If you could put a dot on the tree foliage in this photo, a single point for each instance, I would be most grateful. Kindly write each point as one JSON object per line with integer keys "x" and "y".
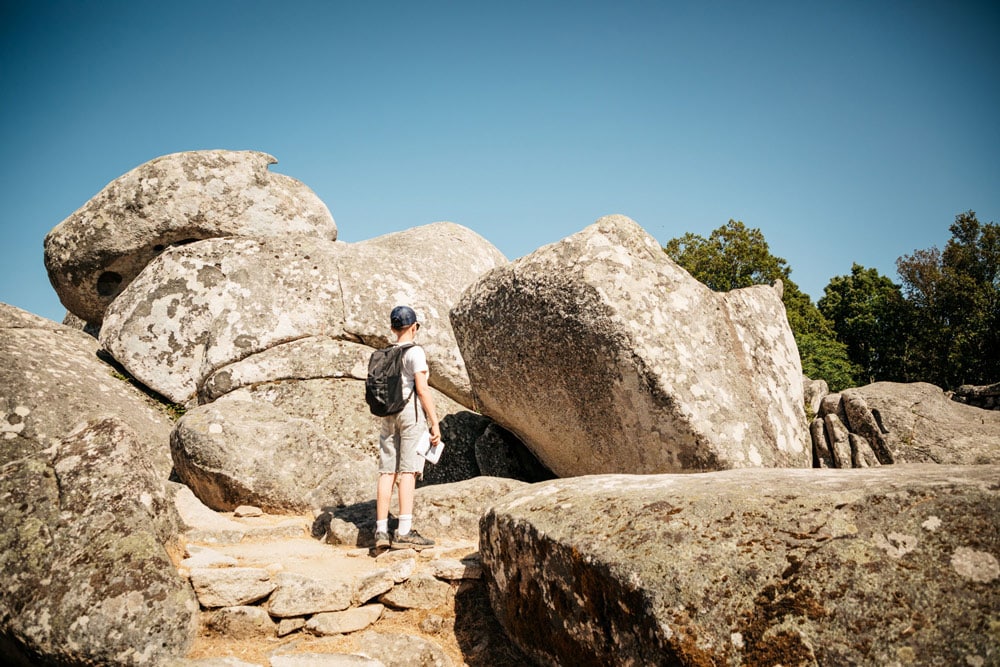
{"x": 954, "y": 297}
{"x": 870, "y": 316}
{"x": 735, "y": 256}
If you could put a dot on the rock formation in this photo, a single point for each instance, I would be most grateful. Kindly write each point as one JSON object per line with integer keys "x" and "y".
{"x": 981, "y": 396}
{"x": 221, "y": 286}
{"x": 892, "y": 565}
{"x": 52, "y": 379}
{"x": 94, "y": 254}
{"x": 84, "y": 538}
{"x": 890, "y": 422}
{"x": 200, "y": 308}
{"x": 602, "y": 355}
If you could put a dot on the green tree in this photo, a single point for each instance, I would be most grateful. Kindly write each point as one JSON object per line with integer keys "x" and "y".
{"x": 869, "y": 315}
{"x": 955, "y": 299}
{"x": 735, "y": 256}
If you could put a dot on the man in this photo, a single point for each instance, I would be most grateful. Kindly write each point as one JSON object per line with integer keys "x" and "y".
{"x": 399, "y": 462}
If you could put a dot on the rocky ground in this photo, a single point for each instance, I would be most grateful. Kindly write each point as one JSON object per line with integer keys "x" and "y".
{"x": 463, "y": 627}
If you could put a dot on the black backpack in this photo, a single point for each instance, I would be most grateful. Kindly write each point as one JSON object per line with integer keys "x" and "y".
{"x": 384, "y": 385}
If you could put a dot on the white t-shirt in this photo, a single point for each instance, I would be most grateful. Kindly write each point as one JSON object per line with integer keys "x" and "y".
{"x": 414, "y": 361}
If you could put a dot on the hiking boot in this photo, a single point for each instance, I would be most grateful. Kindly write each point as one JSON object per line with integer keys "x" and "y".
{"x": 382, "y": 540}
{"x": 412, "y": 540}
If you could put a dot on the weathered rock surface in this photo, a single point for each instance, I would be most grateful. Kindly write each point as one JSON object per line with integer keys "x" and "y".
{"x": 230, "y": 586}
{"x": 392, "y": 648}
{"x": 343, "y": 622}
{"x": 449, "y": 509}
{"x": 95, "y": 253}
{"x": 303, "y": 359}
{"x": 84, "y": 534}
{"x": 813, "y": 392}
{"x": 892, "y": 422}
{"x": 52, "y": 379}
{"x": 981, "y": 396}
{"x": 602, "y": 355}
{"x": 244, "y": 622}
{"x": 236, "y": 452}
{"x": 890, "y": 565}
{"x": 200, "y": 308}
{"x": 421, "y": 591}
{"x": 296, "y": 445}
{"x": 441, "y": 260}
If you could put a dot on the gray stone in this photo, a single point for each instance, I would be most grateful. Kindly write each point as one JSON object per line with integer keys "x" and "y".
{"x": 324, "y": 660}
{"x": 12, "y": 317}
{"x": 813, "y": 392}
{"x": 832, "y": 404}
{"x": 421, "y": 591}
{"x": 235, "y": 452}
{"x": 373, "y": 584}
{"x": 838, "y": 437}
{"x": 51, "y": 380}
{"x": 401, "y": 650}
{"x": 862, "y": 422}
{"x": 231, "y": 586}
{"x": 450, "y": 509}
{"x": 986, "y": 397}
{"x": 245, "y": 622}
{"x": 344, "y": 622}
{"x": 199, "y": 308}
{"x": 302, "y": 359}
{"x": 298, "y": 595}
{"x": 209, "y": 662}
{"x": 202, "y": 524}
{"x": 199, "y": 556}
{"x": 442, "y": 260}
{"x": 335, "y": 407}
{"x": 455, "y": 509}
{"x": 92, "y": 255}
{"x": 822, "y": 456}
{"x": 602, "y": 355}
{"x": 889, "y": 565}
{"x": 920, "y": 425}
{"x": 287, "y": 626}
{"x": 244, "y": 511}
{"x": 84, "y": 537}
{"x": 862, "y": 455}
{"x": 451, "y": 569}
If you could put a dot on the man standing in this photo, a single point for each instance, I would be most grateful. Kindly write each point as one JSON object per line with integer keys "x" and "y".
{"x": 399, "y": 462}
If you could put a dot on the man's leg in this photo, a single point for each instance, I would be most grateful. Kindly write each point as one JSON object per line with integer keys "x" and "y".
{"x": 383, "y": 496}
{"x": 407, "y": 489}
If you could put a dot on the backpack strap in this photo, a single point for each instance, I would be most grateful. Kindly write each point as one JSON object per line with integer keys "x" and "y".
{"x": 413, "y": 394}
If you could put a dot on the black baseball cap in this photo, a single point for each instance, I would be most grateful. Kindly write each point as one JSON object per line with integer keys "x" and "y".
{"x": 402, "y": 317}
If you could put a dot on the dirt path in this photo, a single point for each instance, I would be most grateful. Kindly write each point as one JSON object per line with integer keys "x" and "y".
{"x": 464, "y": 628}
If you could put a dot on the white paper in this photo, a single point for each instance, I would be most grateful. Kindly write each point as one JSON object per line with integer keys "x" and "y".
{"x": 424, "y": 444}
{"x": 434, "y": 453}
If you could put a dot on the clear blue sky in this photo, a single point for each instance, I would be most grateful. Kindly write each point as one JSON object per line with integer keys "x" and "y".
{"x": 845, "y": 131}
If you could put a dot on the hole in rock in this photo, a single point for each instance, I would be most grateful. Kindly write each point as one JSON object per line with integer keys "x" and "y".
{"x": 108, "y": 283}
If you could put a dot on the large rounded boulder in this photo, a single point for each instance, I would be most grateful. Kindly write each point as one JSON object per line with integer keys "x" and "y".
{"x": 85, "y": 536}
{"x": 94, "y": 254}
{"x": 602, "y": 355}
{"x": 52, "y": 378}
{"x": 893, "y": 565}
{"x": 197, "y": 309}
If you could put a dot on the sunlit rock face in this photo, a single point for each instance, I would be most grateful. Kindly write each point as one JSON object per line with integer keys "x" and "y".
{"x": 94, "y": 254}
{"x": 603, "y": 355}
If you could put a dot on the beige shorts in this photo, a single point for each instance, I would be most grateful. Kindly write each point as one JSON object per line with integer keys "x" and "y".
{"x": 397, "y": 441}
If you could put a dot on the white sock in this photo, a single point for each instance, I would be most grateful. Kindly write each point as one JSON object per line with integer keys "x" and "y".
{"x": 405, "y": 523}
{"x": 381, "y": 525}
